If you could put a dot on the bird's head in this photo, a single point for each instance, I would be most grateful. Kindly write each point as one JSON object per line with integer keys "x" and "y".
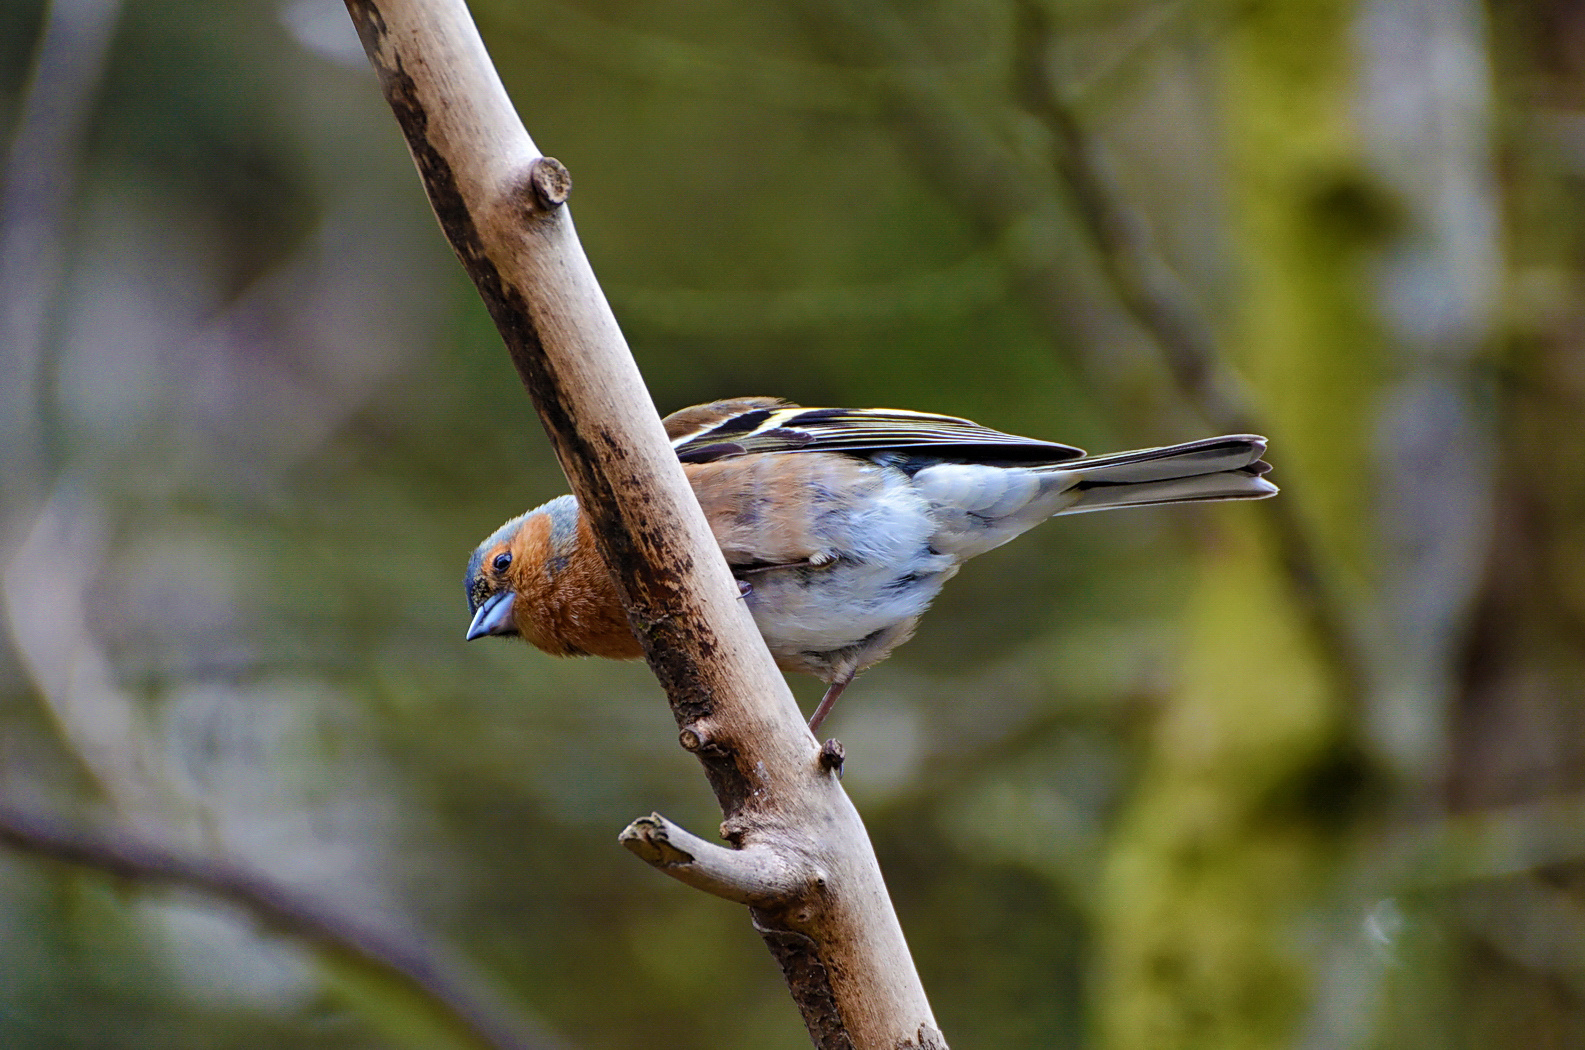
{"x": 539, "y": 577}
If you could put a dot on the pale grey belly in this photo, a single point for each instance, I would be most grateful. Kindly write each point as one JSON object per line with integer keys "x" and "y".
{"x": 846, "y": 615}
{"x": 840, "y": 617}
{"x": 836, "y": 607}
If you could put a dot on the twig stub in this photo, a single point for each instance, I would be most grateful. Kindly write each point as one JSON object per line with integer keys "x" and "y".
{"x": 757, "y": 875}
{"x": 550, "y": 181}
{"x": 832, "y": 755}
{"x": 646, "y": 838}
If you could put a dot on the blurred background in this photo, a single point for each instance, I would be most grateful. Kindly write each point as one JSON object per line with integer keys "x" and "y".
{"x": 1308, "y": 773}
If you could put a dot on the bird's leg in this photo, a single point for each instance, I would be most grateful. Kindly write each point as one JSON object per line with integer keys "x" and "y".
{"x": 828, "y": 701}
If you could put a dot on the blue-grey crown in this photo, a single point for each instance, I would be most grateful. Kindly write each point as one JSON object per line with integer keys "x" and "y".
{"x": 563, "y": 511}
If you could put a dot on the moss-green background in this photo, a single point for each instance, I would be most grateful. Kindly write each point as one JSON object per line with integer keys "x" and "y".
{"x": 256, "y": 420}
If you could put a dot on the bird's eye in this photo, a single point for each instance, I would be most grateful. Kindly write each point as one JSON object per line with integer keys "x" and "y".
{"x": 502, "y": 560}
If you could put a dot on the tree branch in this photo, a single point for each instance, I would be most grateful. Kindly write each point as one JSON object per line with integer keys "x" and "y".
{"x": 409, "y": 963}
{"x": 754, "y": 876}
{"x": 848, "y": 968}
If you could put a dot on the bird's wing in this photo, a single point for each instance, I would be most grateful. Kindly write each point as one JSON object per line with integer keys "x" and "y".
{"x": 747, "y": 425}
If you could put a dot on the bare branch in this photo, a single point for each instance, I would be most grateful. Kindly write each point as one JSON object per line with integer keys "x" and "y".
{"x": 839, "y": 942}
{"x": 755, "y": 875}
{"x": 290, "y": 911}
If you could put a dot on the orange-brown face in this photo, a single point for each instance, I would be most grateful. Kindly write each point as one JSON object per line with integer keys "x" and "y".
{"x": 490, "y": 592}
{"x": 539, "y": 576}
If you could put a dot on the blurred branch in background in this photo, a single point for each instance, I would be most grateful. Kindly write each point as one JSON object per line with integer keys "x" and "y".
{"x": 36, "y": 189}
{"x": 1120, "y": 234}
{"x": 44, "y": 595}
{"x": 960, "y": 150}
{"x": 62, "y": 545}
{"x": 1483, "y": 869}
{"x": 1158, "y": 300}
{"x": 1524, "y": 839}
{"x": 664, "y": 62}
{"x": 471, "y": 1017}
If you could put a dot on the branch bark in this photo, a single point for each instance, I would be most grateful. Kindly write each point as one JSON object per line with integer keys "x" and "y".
{"x": 826, "y": 915}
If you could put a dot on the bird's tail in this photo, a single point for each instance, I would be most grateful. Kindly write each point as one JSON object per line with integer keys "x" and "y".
{"x": 1218, "y": 468}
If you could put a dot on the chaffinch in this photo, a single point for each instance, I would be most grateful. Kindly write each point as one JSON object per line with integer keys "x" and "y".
{"x": 841, "y": 525}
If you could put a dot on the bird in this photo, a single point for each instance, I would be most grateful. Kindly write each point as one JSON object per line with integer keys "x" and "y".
{"x": 841, "y": 525}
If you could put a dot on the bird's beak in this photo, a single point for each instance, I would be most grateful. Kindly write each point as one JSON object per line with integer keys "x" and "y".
{"x": 493, "y": 617}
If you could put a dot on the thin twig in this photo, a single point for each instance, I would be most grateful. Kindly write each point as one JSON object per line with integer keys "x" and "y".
{"x": 280, "y": 907}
